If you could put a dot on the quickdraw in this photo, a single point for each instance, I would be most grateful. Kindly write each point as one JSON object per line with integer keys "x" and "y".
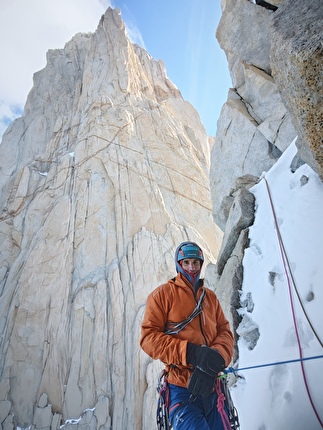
{"x": 162, "y": 416}
{"x": 231, "y": 409}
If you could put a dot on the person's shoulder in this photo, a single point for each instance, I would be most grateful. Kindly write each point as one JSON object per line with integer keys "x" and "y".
{"x": 210, "y": 293}
{"x": 163, "y": 288}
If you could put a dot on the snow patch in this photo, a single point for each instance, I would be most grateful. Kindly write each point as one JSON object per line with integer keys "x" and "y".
{"x": 276, "y": 397}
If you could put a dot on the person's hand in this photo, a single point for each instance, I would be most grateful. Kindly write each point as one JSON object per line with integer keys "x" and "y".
{"x": 200, "y": 383}
{"x": 207, "y": 359}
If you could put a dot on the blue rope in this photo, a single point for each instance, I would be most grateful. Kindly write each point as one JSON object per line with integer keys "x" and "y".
{"x": 232, "y": 370}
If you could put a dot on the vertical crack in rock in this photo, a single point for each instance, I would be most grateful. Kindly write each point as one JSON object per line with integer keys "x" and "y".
{"x": 103, "y": 176}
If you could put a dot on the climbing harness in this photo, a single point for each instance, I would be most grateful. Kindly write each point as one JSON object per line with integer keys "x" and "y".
{"x": 176, "y": 327}
{"x": 224, "y": 401}
{"x": 163, "y": 410}
{"x": 225, "y": 406}
{"x": 289, "y": 277}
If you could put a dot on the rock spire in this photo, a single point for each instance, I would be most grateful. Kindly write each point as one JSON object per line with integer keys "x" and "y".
{"x": 103, "y": 175}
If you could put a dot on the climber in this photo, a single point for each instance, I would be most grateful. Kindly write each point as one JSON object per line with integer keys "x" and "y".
{"x": 184, "y": 326}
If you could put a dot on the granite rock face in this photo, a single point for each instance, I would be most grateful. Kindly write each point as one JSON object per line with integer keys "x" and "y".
{"x": 101, "y": 178}
{"x": 276, "y": 67}
{"x": 242, "y": 30}
{"x": 254, "y": 127}
{"x": 297, "y": 36}
{"x": 275, "y": 61}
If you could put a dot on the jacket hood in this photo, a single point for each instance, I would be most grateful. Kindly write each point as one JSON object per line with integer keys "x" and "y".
{"x": 193, "y": 279}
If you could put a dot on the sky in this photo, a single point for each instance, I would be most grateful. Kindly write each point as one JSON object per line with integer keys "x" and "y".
{"x": 181, "y": 33}
{"x": 275, "y": 397}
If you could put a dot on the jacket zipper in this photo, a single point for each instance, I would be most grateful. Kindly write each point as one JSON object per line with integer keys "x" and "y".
{"x": 200, "y": 319}
{"x": 201, "y": 327}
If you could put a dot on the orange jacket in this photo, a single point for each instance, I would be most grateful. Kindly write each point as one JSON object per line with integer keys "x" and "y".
{"x": 175, "y": 301}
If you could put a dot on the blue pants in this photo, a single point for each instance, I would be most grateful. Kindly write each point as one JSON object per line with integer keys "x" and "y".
{"x": 201, "y": 414}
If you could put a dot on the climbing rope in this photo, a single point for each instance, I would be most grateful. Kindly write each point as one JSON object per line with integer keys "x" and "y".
{"x": 176, "y": 327}
{"x": 220, "y": 406}
{"x": 283, "y": 250}
{"x": 288, "y": 277}
{"x": 275, "y": 363}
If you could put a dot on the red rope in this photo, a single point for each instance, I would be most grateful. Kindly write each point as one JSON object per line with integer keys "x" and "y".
{"x": 283, "y": 250}
{"x": 284, "y": 258}
{"x": 220, "y": 406}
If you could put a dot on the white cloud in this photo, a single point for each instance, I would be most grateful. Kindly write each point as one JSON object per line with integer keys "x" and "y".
{"x": 134, "y": 34}
{"x": 27, "y": 30}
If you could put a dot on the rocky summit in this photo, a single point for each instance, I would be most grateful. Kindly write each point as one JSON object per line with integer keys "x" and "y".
{"x": 101, "y": 178}
{"x": 108, "y": 169}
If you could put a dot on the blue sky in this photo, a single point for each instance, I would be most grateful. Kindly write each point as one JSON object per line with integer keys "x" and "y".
{"x": 181, "y": 33}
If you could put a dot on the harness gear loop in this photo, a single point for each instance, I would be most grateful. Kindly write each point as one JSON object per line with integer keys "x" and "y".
{"x": 162, "y": 415}
{"x": 225, "y": 406}
{"x": 231, "y": 409}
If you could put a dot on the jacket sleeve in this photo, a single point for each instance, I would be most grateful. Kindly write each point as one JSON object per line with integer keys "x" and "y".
{"x": 154, "y": 341}
{"x": 224, "y": 341}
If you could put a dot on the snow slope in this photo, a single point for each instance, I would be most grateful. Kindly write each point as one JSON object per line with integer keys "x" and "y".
{"x": 275, "y": 397}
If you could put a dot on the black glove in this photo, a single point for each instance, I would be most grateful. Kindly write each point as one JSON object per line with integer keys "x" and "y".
{"x": 200, "y": 383}
{"x": 207, "y": 359}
